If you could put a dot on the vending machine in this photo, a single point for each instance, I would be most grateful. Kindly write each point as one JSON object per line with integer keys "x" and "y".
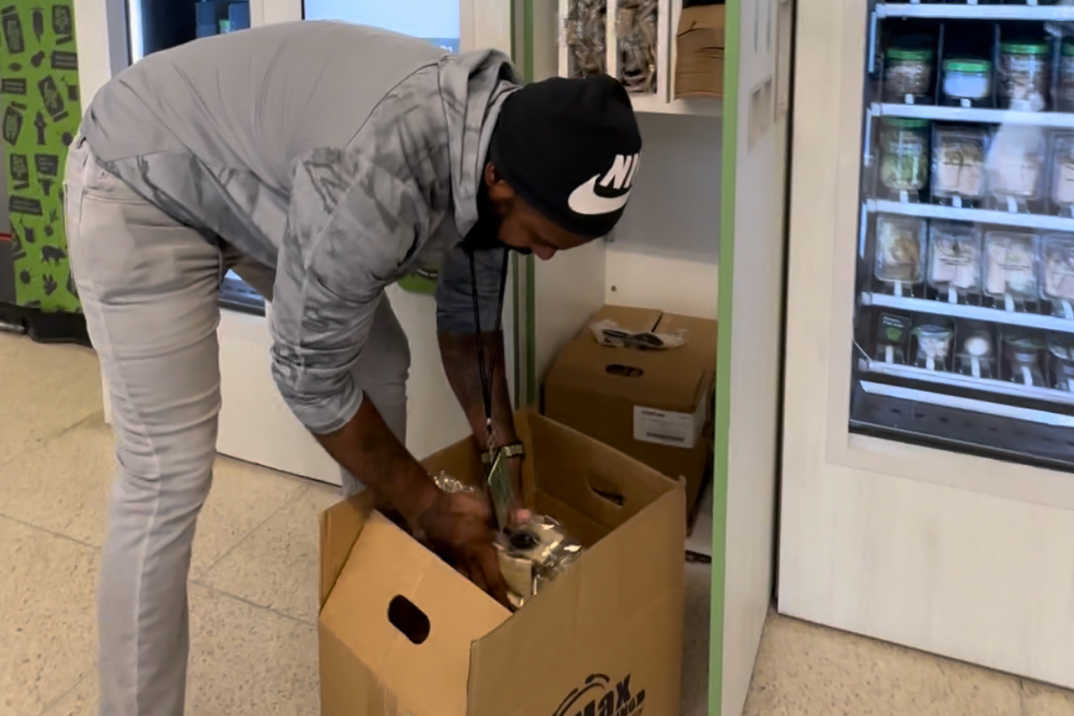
{"x": 929, "y": 413}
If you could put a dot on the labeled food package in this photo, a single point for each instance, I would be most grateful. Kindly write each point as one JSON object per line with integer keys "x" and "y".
{"x": 1057, "y": 273}
{"x": 900, "y": 251}
{"x": 904, "y": 156}
{"x": 967, "y": 81}
{"x": 892, "y": 334}
{"x": 933, "y": 345}
{"x": 1062, "y": 193}
{"x": 1061, "y": 358}
{"x": 954, "y": 260}
{"x": 958, "y": 164}
{"x": 1010, "y": 266}
{"x": 533, "y": 554}
{"x": 1023, "y": 353}
{"x": 975, "y": 350}
{"x": 1015, "y": 166}
{"x": 1065, "y": 85}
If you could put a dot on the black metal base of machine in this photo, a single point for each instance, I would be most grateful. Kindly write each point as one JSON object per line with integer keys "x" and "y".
{"x": 44, "y": 327}
{"x": 967, "y": 431}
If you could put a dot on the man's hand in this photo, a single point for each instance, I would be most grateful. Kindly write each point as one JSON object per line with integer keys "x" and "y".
{"x": 459, "y": 528}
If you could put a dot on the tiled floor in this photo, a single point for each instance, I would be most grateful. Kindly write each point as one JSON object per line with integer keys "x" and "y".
{"x": 253, "y": 606}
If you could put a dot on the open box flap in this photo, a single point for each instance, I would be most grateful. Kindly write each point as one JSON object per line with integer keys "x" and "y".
{"x": 409, "y": 618}
{"x": 611, "y": 614}
{"x": 340, "y": 526}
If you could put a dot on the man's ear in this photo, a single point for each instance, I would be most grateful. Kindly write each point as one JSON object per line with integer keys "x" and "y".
{"x": 498, "y": 188}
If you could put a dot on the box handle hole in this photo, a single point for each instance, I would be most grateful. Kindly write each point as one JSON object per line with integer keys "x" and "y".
{"x": 627, "y": 371}
{"x": 405, "y": 616}
{"x": 607, "y": 491}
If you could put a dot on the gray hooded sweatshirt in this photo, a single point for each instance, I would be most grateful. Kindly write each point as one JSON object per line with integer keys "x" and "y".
{"x": 343, "y": 156}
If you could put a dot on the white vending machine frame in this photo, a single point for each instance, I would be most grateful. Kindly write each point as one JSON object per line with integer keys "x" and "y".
{"x": 952, "y": 553}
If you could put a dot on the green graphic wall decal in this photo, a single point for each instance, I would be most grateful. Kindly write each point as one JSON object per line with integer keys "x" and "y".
{"x": 39, "y": 114}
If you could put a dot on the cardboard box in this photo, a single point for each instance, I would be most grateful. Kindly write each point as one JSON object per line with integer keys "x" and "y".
{"x": 652, "y": 405}
{"x": 699, "y": 46}
{"x": 607, "y": 633}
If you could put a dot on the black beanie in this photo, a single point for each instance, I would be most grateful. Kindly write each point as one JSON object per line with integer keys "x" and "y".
{"x": 570, "y": 148}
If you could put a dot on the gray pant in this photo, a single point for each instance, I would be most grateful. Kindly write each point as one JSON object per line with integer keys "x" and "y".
{"x": 149, "y": 287}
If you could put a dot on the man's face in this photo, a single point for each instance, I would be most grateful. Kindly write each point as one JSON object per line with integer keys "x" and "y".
{"x": 522, "y": 227}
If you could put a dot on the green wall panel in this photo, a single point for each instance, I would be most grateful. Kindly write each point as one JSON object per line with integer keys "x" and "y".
{"x": 40, "y": 107}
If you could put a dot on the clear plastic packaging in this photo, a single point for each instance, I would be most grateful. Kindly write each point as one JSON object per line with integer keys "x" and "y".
{"x": 585, "y": 31}
{"x": 933, "y": 345}
{"x": 1023, "y": 75}
{"x": 1062, "y": 189}
{"x": 958, "y": 164}
{"x": 533, "y": 554}
{"x": 904, "y": 156}
{"x": 892, "y": 335}
{"x": 954, "y": 260}
{"x": 967, "y": 82}
{"x": 1057, "y": 273}
{"x": 1023, "y": 354}
{"x": 1010, "y": 266}
{"x": 907, "y": 74}
{"x": 636, "y": 42}
{"x": 900, "y": 251}
{"x": 976, "y": 355}
{"x": 1061, "y": 359}
{"x": 1015, "y": 166}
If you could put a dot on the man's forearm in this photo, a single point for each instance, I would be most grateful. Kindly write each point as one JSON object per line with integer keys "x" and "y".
{"x": 367, "y": 448}
{"x": 459, "y": 355}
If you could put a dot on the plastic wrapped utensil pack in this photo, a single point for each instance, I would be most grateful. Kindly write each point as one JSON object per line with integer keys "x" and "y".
{"x": 531, "y": 554}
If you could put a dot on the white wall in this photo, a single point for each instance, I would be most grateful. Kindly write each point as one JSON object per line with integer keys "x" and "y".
{"x": 420, "y": 18}
{"x": 665, "y": 251}
{"x": 102, "y": 44}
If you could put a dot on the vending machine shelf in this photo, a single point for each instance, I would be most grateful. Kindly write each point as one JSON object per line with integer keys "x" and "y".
{"x": 968, "y": 382}
{"x": 979, "y": 216}
{"x": 947, "y": 11}
{"x": 963, "y": 310}
{"x": 912, "y": 416}
{"x": 982, "y": 115}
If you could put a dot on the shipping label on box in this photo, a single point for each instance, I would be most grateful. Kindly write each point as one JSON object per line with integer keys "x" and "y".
{"x": 668, "y": 427}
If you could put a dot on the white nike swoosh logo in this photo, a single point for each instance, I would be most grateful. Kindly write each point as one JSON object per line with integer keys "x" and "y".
{"x": 584, "y": 199}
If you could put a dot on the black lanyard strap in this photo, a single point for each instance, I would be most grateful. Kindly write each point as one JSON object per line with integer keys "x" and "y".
{"x": 483, "y": 366}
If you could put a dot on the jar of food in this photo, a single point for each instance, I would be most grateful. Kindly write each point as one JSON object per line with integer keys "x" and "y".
{"x": 904, "y": 164}
{"x": 975, "y": 350}
{"x": 933, "y": 345}
{"x": 907, "y": 74}
{"x": 1057, "y": 271}
{"x": 1061, "y": 355}
{"x": 958, "y": 164}
{"x": 1023, "y": 354}
{"x": 967, "y": 82}
{"x": 1023, "y": 75}
{"x": 900, "y": 251}
{"x": 892, "y": 331}
{"x": 1065, "y": 89}
{"x": 1015, "y": 166}
{"x": 1063, "y": 174}
{"x": 954, "y": 260}
{"x": 1010, "y": 266}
